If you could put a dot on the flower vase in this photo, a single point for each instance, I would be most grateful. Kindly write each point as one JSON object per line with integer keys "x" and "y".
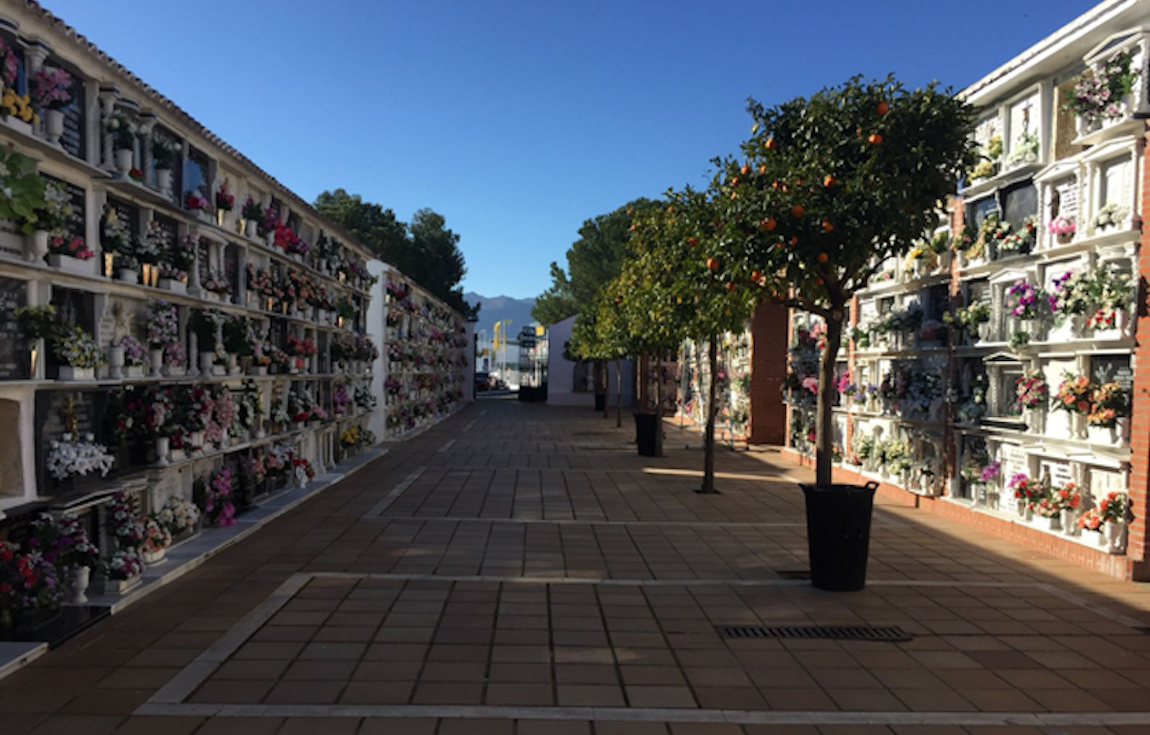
{"x": 174, "y": 285}
{"x": 163, "y": 446}
{"x": 121, "y": 586}
{"x": 221, "y": 215}
{"x": 164, "y": 181}
{"x": 123, "y": 161}
{"x": 39, "y": 247}
{"x": 156, "y": 360}
{"x": 207, "y": 363}
{"x": 1054, "y": 523}
{"x": 195, "y": 442}
{"x": 1036, "y": 420}
{"x": 1020, "y": 506}
{"x": 54, "y": 126}
{"x": 128, "y": 275}
{"x": 1069, "y": 522}
{"x": 1078, "y": 426}
{"x": 175, "y": 371}
{"x": 1064, "y": 238}
{"x": 234, "y": 364}
{"x": 68, "y": 372}
{"x": 81, "y": 577}
{"x": 250, "y": 228}
{"x": 116, "y": 362}
{"x": 1115, "y": 537}
{"x": 154, "y": 558}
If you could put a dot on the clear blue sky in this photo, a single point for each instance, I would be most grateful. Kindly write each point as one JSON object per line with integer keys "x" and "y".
{"x": 518, "y": 120}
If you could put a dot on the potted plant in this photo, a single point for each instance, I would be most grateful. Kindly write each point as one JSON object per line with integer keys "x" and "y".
{"x": 251, "y": 215}
{"x": 52, "y": 92}
{"x": 819, "y": 252}
{"x": 39, "y": 325}
{"x": 1032, "y": 396}
{"x": 21, "y": 198}
{"x": 132, "y": 355}
{"x": 1114, "y": 510}
{"x": 1062, "y": 228}
{"x": 206, "y": 326}
{"x": 124, "y": 131}
{"x": 163, "y": 327}
{"x": 157, "y": 539}
{"x": 225, "y": 202}
{"x": 1075, "y": 397}
{"x": 122, "y": 572}
{"x": 79, "y": 353}
{"x": 180, "y": 517}
{"x": 1102, "y": 95}
{"x": 158, "y": 418}
{"x": 1110, "y": 409}
{"x": 1026, "y": 491}
{"x": 76, "y": 555}
{"x": 165, "y": 152}
{"x": 1068, "y": 500}
{"x": 1092, "y": 521}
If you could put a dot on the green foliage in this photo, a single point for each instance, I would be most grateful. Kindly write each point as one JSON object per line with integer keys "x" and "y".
{"x": 592, "y": 261}
{"x": 426, "y": 250}
{"x": 37, "y": 322}
{"x": 848, "y": 178}
{"x": 21, "y": 190}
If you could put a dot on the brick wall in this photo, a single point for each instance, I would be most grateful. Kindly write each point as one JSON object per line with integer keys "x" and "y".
{"x": 769, "y": 340}
{"x": 1138, "y": 544}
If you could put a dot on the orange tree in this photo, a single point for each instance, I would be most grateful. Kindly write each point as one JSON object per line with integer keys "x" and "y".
{"x": 677, "y": 287}
{"x": 828, "y": 189}
{"x": 599, "y": 334}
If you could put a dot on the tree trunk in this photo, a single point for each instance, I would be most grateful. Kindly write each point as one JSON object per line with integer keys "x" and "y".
{"x": 618, "y": 395}
{"x": 824, "y": 416}
{"x": 709, "y": 438}
{"x": 659, "y": 406}
{"x": 603, "y": 371}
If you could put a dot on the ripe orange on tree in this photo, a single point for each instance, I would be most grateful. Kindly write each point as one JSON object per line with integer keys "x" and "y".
{"x": 731, "y": 286}
{"x": 768, "y": 224}
{"x": 713, "y": 264}
{"x": 692, "y": 241}
{"x": 874, "y": 139}
{"x": 882, "y": 108}
{"x": 770, "y": 144}
{"x": 829, "y": 181}
{"x": 822, "y": 257}
{"x": 828, "y": 226}
{"x": 797, "y": 210}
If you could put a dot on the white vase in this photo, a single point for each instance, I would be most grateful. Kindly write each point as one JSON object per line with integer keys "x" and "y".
{"x": 81, "y": 577}
{"x": 207, "y": 363}
{"x": 133, "y": 371}
{"x": 164, "y": 181}
{"x": 1116, "y": 537}
{"x": 154, "y": 558}
{"x": 250, "y": 228}
{"x": 196, "y": 441}
{"x": 69, "y": 264}
{"x": 128, "y": 275}
{"x": 116, "y": 362}
{"x": 1100, "y": 537}
{"x": 174, "y": 285}
{"x": 175, "y": 371}
{"x": 54, "y": 126}
{"x": 233, "y": 364}
{"x": 67, "y": 372}
{"x": 163, "y": 447}
{"x": 121, "y": 586}
{"x": 124, "y": 161}
{"x": 1054, "y": 523}
{"x": 39, "y": 247}
{"x": 156, "y": 358}
{"x": 1069, "y": 522}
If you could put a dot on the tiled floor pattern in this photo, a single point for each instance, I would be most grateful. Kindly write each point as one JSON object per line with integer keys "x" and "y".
{"x": 524, "y": 572}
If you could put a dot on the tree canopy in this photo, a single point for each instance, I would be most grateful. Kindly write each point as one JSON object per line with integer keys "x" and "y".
{"x": 592, "y": 260}
{"x": 426, "y": 250}
{"x": 830, "y": 187}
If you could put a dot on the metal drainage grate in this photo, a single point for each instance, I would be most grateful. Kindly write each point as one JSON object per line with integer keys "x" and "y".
{"x": 817, "y": 632}
{"x": 795, "y": 574}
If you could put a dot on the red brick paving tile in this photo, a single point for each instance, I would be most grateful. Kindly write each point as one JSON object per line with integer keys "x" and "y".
{"x": 137, "y": 678}
{"x": 590, "y": 695}
{"x": 733, "y": 698}
{"x": 250, "y": 670}
{"x": 268, "y": 651}
{"x": 660, "y": 696}
{"x": 333, "y": 651}
{"x": 154, "y": 725}
{"x": 585, "y": 674}
{"x": 458, "y": 652}
{"x": 1001, "y": 700}
{"x": 529, "y": 673}
{"x": 476, "y": 727}
{"x": 320, "y": 671}
{"x": 799, "y": 700}
{"x": 107, "y": 702}
{"x": 714, "y": 677}
{"x": 521, "y": 654}
{"x": 383, "y": 671}
{"x": 875, "y": 700}
{"x": 1030, "y": 679}
{"x": 934, "y": 700}
{"x": 240, "y": 726}
{"x": 535, "y": 695}
{"x": 704, "y": 728}
{"x": 395, "y": 652}
{"x": 630, "y": 728}
{"x": 20, "y": 724}
{"x": 453, "y": 671}
{"x": 231, "y": 692}
{"x": 553, "y": 727}
{"x": 398, "y": 726}
{"x": 320, "y": 726}
{"x": 358, "y": 692}
{"x": 453, "y": 693}
{"x": 305, "y": 692}
{"x": 1069, "y": 700}
{"x": 77, "y": 725}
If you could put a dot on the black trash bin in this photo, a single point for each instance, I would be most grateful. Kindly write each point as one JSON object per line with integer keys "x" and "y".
{"x": 600, "y": 401}
{"x": 838, "y": 534}
{"x": 646, "y": 426}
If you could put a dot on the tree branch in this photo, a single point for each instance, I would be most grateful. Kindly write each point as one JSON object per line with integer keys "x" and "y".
{"x": 801, "y": 302}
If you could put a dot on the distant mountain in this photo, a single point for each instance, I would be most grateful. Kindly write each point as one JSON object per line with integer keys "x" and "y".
{"x": 495, "y": 308}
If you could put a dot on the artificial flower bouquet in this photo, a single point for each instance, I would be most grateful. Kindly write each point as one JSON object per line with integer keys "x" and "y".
{"x": 124, "y": 564}
{"x": 1075, "y": 395}
{"x": 1031, "y": 390}
{"x": 68, "y": 457}
{"x": 1110, "y": 402}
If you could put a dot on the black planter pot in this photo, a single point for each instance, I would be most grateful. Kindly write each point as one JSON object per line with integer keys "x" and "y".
{"x": 838, "y": 534}
{"x": 600, "y": 401}
{"x": 646, "y": 434}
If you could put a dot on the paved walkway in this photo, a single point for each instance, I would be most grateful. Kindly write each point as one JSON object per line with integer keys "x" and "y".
{"x": 518, "y": 570}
